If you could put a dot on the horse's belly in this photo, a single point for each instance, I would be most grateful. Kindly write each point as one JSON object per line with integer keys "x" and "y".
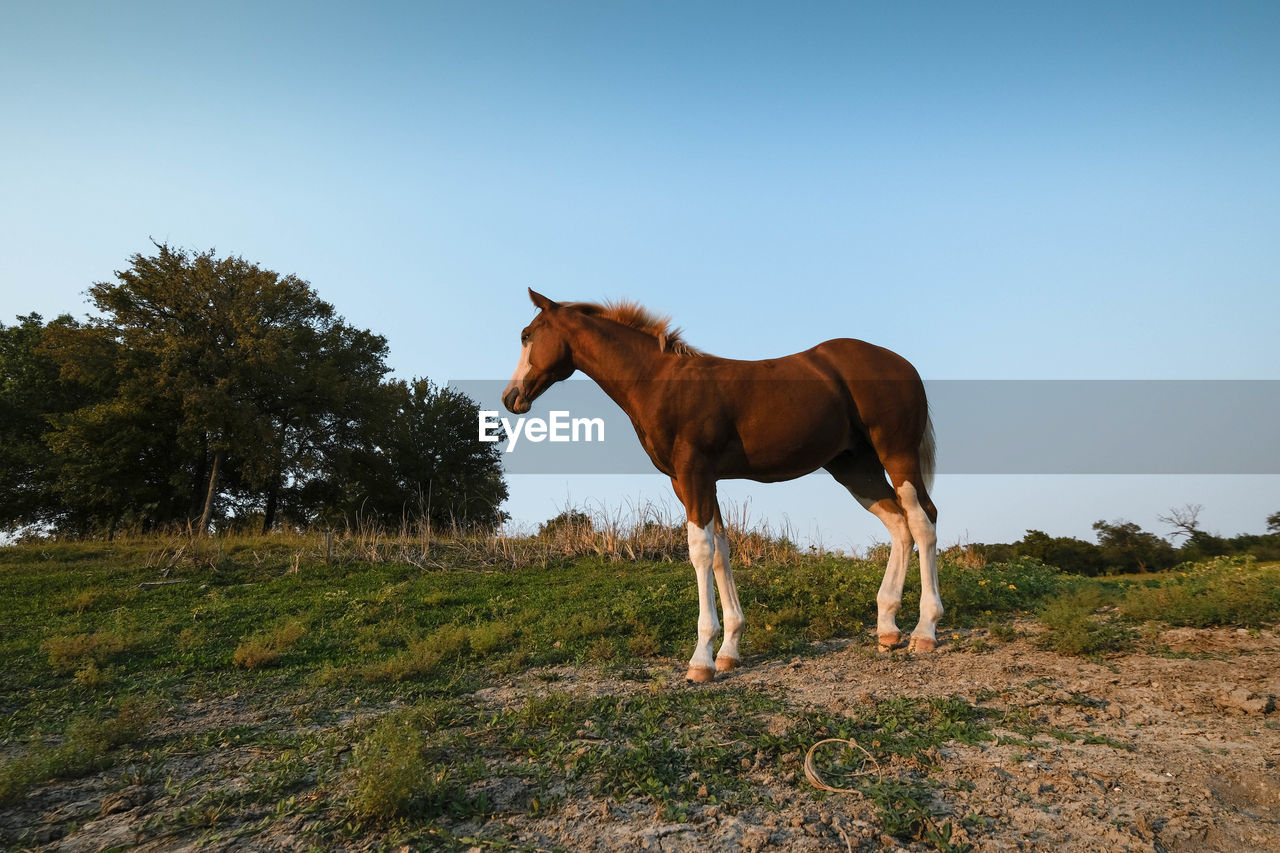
{"x": 785, "y": 457}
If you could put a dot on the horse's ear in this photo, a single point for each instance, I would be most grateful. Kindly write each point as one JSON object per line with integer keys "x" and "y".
{"x": 542, "y": 302}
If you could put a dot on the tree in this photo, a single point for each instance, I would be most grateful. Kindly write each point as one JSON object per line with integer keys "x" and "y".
{"x": 33, "y": 392}
{"x": 1184, "y": 520}
{"x": 1273, "y": 522}
{"x": 1126, "y": 547}
{"x": 427, "y": 460}
{"x": 210, "y": 390}
{"x": 1065, "y": 552}
{"x": 224, "y": 374}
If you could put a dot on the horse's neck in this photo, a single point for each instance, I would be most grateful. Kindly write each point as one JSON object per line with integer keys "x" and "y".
{"x": 623, "y": 363}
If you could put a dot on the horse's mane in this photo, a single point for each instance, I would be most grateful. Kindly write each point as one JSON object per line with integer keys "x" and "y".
{"x": 636, "y": 316}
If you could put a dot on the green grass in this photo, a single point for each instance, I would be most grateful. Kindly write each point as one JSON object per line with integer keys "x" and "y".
{"x": 1223, "y": 591}
{"x": 347, "y": 687}
{"x": 86, "y": 746}
{"x": 1097, "y": 617}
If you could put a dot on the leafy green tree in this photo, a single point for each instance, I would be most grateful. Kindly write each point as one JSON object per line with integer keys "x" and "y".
{"x": 426, "y": 461}
{"x": 1273, "y": 522}
{"x": 1065, "y": 552}
{"x": 212, "y": 390}
{"x": 1126, "y": 547}
{"x": 33, "y": 392}
{"x": 240, "y": 376}
{"x": 1201, "y": 545}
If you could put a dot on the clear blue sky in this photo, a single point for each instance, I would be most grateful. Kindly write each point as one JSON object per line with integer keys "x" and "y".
{"x": 996, "y": 190}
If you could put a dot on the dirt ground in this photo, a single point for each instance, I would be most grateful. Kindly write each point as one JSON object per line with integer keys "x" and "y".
{"x": 1188, "y": 757}
{"x": 1169, "y": 751}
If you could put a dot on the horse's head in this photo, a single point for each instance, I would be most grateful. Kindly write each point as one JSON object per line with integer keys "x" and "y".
{"x": 545, "y": 357}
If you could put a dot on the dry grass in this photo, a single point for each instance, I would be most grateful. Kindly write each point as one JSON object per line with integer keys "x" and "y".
{"x": 645, "y": 531}
{"x": 73, "y": 652}
{"x": 267, "y": 647}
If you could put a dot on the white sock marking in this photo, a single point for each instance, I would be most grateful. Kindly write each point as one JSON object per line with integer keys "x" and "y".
{"x": 701, "y": 552}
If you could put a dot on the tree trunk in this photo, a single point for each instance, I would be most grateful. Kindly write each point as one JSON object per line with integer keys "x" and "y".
{"x": 207, "y": 516}
{"x": 269, "y": 516}
{"x": 201, "y": 478}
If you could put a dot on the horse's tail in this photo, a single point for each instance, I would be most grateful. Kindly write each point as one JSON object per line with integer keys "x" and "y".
{"x": 928, "y": 453}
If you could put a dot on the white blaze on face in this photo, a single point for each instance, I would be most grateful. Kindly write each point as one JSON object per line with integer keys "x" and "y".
{"x": 522, "y": 369}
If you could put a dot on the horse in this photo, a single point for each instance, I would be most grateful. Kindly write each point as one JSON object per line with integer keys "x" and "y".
{"x": 850, "y": 407}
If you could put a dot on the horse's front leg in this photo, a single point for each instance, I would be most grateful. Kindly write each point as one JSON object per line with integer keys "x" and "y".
{"x": 697, "y": 491}
{"x": 702, "y": 666}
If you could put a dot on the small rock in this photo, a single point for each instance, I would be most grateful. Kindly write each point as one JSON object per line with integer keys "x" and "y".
{"x": 754, "y": 839}
{"x": 49, "y": 834}
{"x": 125, "y": 800}
{"x": 1241, "y": 699}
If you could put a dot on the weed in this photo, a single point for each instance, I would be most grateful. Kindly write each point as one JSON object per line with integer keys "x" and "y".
{"x": 1074, "y": 626}
{"x": 69, "y": 653}
{"x": 396, "y": 773}
{"x": 421, "y": 658}
{"x": 91, "y": 676}
{"x": 266, "y": 647}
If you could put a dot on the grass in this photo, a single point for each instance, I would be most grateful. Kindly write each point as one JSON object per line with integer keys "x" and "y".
{"x": 87, "y": 745}
{"x": 1096, "y": 618}
{"x": 667, "y": 749}
{"x": 1222, "y": 591}
{"x": 342, "y": 674}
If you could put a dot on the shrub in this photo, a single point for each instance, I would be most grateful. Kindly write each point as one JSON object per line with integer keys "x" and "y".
{"x": 973, "y": 593}
{"x": 1074, "y": 626}
{"x": 395, "y": 773}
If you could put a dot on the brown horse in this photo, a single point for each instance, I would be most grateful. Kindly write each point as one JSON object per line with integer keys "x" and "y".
{"x": 855, "y": 409}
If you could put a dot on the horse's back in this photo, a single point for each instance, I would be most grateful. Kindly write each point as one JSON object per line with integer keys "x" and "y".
{"x": 855, "y": 359}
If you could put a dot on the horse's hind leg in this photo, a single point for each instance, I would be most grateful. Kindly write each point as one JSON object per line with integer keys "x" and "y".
{"x": 921, "y": 516}
{"x": 860, "y": 472}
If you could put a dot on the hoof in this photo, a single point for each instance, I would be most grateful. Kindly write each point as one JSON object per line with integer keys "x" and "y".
{"x": 700, "y": 674}
{"x": 923, "y": 645}
{"x": 889, "y": 641}
{"x": 725, "y": 663}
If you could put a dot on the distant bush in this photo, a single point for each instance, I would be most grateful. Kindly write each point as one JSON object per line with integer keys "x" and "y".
{"x": 570, "y": 522}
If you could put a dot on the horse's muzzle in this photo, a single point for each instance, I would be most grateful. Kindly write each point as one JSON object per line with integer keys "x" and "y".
{"x": 511, "y": 399}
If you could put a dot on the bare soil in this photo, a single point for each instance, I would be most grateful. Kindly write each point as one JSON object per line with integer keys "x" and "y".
{"x": 1171, "y": 749}
{"x": 1185, "y": 752}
